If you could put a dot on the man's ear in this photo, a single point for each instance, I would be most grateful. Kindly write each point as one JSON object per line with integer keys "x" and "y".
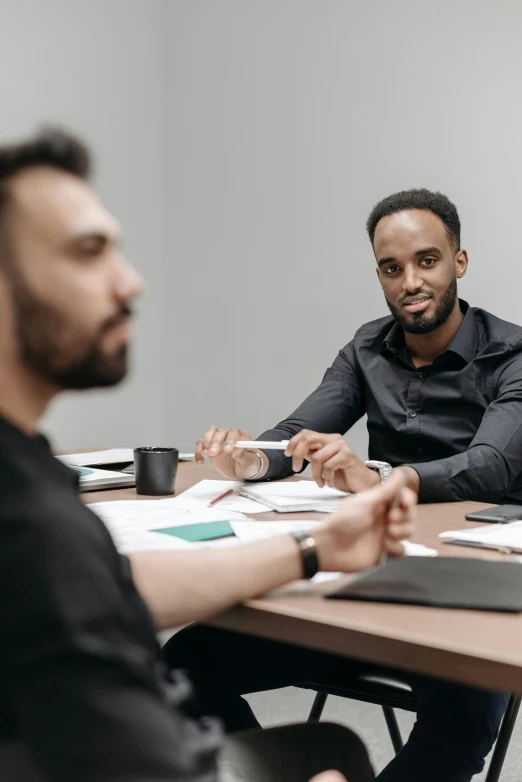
{"x": 461, "y": 263}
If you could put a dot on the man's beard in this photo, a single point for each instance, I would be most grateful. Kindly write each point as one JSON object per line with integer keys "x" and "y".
{"x": 420, "y": 324}
{"x": 44, "y": 342}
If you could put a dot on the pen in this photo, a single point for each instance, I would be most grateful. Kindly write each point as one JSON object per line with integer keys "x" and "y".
{"x": 221, "y": 497}
{"x": 265, "y": 445}
{"x": 383, "y": 561}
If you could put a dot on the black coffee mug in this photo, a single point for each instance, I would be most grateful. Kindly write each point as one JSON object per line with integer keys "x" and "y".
{"x": 155, "y": 470}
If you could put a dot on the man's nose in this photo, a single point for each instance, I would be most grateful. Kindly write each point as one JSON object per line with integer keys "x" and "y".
{"x": 412, "y": 279}
{"x": 130, "y": 284}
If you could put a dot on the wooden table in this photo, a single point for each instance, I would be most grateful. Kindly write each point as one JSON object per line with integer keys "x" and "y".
{"x": 476, "y": 647}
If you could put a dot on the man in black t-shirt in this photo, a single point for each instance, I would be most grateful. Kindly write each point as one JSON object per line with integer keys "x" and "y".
{"x": 83, "y": 693}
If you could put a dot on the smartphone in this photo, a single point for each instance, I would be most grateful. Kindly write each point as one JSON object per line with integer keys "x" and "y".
{"x": 501, "y": 514}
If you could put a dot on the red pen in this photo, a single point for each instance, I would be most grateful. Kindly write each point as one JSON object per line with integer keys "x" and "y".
{"x": 221, "y": 497}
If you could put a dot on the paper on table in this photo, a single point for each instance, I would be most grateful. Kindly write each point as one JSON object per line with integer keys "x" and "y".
{"x": 295, "y": 496}
{"x": 249, "y": 531}
{"x": 130, "y": 539}
{"x": 109, "y": 456}
{"x": 202, "y": 493}
{"x": 495, "y": 535}
{"x": 157, "y": 514}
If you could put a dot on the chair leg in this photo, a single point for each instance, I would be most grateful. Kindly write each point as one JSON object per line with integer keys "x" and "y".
{"x": 504, "y": 737}
{"x": 393, "y": 728}
{"x": 317, "y": 707}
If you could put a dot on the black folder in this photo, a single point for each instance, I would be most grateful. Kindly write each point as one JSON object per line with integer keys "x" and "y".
{"x": 444, "y": 582}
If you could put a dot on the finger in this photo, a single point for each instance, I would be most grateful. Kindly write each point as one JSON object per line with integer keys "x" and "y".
{"x": 303, "y": 450}
{"x": 294, "y": 442}
{"x": 326, "y": 452}
{"x": 207, "y": 439}
{"x": 400, "y": 532}
{"x": 329, "y": 477}
{"x": 198, "y": 455}
{"x": 317, "y": 474}
{"x": 232, "y": 436}
{"x": 342, "y": 460}
{"x": 216, "y": 446}
{"x": 394, "y": 548}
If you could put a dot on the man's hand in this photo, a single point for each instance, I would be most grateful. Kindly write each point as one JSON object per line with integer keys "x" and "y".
{"x": 220, "y": 446}
{"x": 329, "y": 776}
{"x": 366, "y": 525}
{"x": 332, "y": 460}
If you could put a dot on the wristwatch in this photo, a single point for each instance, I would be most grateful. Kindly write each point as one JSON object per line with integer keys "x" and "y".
{"x": 307, "y": 546}
{"x": 383, "y": 468}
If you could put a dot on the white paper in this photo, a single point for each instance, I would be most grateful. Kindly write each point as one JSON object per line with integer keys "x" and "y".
{"x": 156, "y": 514}
{"x": 501, "y": 535}
{"x": 109, "y": 456}
{"x": 418, "y": 549}
{"x": 130, "y": 539}
{"x": 202, "y": 493}
{"x": 249, "y": 531}
{"x": 295, "y": 496}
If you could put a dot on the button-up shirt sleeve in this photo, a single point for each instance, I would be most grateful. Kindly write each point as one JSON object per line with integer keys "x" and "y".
{"x": 332, "y": 408}
{"x": 487, "y": 469}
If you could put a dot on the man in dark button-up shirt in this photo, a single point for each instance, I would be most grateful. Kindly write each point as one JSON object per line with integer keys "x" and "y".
{"x": 457, "y": 421}
{"x": 441, "y": 384}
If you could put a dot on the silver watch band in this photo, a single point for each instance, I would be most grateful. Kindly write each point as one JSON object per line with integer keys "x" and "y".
{"x": 383, "y": 468}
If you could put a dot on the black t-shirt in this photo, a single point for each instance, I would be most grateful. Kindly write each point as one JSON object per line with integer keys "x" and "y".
{"x": 82, "y": 689}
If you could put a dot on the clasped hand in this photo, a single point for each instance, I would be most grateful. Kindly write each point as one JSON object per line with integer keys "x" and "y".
{"x": 332, "y": 460}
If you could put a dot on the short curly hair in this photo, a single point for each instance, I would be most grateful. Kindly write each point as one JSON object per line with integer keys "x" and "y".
{"x": 420, "y": 198}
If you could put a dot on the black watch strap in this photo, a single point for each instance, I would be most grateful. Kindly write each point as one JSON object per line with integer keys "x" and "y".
{"x": 306, "y": 542}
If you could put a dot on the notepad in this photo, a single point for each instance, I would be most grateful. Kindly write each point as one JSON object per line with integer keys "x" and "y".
{"x": 506, "y": 537}
{"x": 294, "y": 496}
{"x": 210, "y": 530}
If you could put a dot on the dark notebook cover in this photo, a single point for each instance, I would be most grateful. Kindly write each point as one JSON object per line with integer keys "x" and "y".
{"x": 445, "y": 582}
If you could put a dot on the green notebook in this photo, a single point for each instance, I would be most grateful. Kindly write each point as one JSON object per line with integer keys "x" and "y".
{"x": 208, "y": 530}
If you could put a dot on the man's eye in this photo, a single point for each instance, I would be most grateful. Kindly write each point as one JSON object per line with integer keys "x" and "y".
{"x": 391, "y": 269}
{"x": 429, "y": 261}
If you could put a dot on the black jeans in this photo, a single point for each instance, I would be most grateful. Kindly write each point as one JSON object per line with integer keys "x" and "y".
{"x": 455, "y": 729}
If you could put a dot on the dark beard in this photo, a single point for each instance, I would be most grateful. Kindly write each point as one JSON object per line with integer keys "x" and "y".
{"x": 421, "y": 324}
{"x": 42, "y": 334}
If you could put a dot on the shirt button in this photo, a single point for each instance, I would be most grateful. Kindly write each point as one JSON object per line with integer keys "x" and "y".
{"x": 411, "y": 413}
{"x": 419, "y": 374}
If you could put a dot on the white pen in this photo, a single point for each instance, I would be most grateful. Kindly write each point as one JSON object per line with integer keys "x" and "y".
{"x": 263, "y": 445}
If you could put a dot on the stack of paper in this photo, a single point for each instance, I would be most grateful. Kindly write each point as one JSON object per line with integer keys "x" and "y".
{"x": 503, "y": 537}
{"x": 130, "y": 522}
{"x": 294, "y": 496}
{"x": 109, "y": 456}
{"x": 204, "y": 492}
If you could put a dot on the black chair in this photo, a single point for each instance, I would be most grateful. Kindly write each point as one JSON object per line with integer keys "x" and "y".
{"x": 387, "y": 689}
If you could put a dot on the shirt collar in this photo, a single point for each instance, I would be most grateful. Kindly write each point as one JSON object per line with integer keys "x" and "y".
{"x": 463, "y": 344}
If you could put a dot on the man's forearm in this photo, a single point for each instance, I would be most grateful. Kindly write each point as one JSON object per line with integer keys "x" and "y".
{"x": 190, "y": 586}
{"x": 481, "y": 473}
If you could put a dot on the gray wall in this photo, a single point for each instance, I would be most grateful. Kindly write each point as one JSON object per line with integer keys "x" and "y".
{"x": 96, "y": 68}
{"x": 242, "y": 144}
{"x": 287, "y": 120}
